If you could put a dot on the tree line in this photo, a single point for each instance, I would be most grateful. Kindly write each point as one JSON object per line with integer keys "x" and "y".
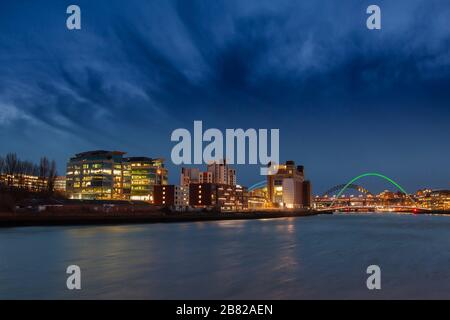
{"x": 16, "y": 169}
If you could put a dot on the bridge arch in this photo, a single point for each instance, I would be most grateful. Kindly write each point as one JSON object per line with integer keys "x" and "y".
{"x": 372, "y": 174}
{"x": 350, "y": 186}
{"x": 257, "y": 185}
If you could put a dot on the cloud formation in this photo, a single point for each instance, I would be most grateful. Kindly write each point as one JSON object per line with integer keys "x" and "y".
{"x": 138, "y": 70}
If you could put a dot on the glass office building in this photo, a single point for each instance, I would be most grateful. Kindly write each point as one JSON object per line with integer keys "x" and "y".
{"x": 145, "y": 174}
{"x": 97, "y": 175}
{"x": 107, "y": 175}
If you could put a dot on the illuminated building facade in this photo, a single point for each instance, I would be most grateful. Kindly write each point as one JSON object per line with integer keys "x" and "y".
{"x": 387, "y": 200}
{"x": 221, "y": 197}
{"x": 176, "y": 197}
{"x": 434, "y": 199}
{"x": 287, "y": 187}
{"x": 145, "y": 173}
{"x": 257, "y": 199}
{"x": 24, "y": 181}
{"x": 60, "y": 184}
{"x": 215, "y": 188}
{"x": 107, "y": 175}
{"x": 98, "y": 175}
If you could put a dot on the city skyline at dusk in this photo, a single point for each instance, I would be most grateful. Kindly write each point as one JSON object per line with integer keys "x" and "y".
{"x": 346, "y": 100}
{"x": 215, "y": 158}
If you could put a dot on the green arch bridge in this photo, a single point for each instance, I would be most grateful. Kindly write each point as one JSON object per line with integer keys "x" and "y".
{"x": 351, "y": 185}
{"x": 372, "y": 174}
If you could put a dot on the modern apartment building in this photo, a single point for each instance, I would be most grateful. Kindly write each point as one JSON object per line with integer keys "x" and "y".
{"x": 222, "y": 173}
{"x": 214, "y": 188}
{"x": 189, "y": 175}
{"x": 217, "y": 172}
{"x": 205, "y": 177}
{"x": 176, "y": 197}
{"x": 218, "y": 196}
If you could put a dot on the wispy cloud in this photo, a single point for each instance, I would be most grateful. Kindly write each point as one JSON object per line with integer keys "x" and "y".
{"x": 139, "y": 69}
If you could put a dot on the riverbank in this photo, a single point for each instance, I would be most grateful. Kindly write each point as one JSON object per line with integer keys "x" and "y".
{"x": 52, "y": 219}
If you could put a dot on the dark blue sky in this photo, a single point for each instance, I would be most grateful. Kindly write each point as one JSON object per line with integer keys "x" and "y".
{"x": 346, "y": 100}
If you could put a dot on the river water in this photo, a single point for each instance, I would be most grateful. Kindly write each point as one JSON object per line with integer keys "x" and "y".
{"x": 322, "y": 257}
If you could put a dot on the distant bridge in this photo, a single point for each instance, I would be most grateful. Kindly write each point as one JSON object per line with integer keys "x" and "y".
{"x": 336, "y": 201}
{"x": 356, "y": 187}
{"x": 258, "y": 185}
{"x": 372, "y": 208}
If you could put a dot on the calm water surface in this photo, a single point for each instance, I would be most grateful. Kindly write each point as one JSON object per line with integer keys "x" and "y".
{"x": 294, "y": 258}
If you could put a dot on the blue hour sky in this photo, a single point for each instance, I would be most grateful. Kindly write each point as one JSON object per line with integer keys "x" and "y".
{"x": 347, "y": 100}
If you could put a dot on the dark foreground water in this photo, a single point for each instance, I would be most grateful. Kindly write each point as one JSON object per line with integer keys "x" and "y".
{"x": 293, "y": 258}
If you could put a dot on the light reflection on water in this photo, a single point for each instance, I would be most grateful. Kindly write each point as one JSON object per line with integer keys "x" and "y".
{"x": 292, "y": 258}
